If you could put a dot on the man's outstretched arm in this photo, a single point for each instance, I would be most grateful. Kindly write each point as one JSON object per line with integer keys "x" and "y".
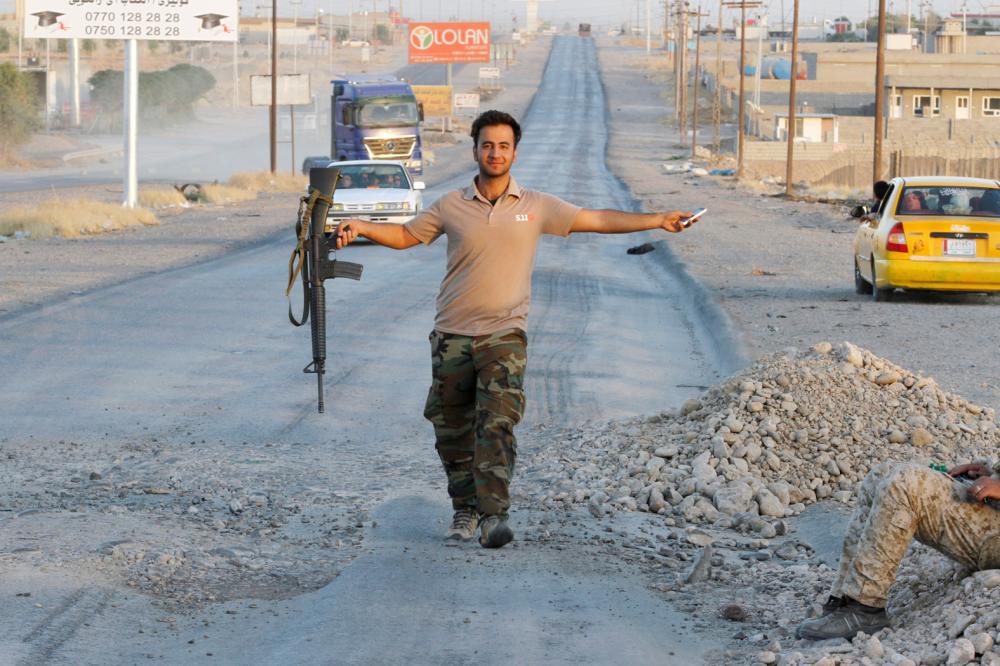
{"x": 391, "y": 235}
{"x": 620, "y": 222}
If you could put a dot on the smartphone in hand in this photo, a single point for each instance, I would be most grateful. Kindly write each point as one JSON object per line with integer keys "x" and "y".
{"x": 687, "y": 221}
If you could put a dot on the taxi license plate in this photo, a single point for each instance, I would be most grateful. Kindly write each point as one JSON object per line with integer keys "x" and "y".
{"x": 954, "y": 247}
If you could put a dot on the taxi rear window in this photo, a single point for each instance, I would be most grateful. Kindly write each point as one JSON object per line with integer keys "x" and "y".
{"x": 949, "y": 201}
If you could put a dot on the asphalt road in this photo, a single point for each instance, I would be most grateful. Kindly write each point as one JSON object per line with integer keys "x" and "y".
{"x": 207, "y": 350}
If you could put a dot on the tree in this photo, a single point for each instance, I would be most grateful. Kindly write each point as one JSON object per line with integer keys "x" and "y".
{"x": 382, "y": 33}
{"x": 343, "y": 34}
{"x": 18, "y": 109}
{"x": 88, "y": 46}
{"x": 4, "y": 40}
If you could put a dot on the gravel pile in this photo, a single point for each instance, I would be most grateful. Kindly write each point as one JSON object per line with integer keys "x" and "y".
{"x": 754, "y": 450}
{"x": 792, "y": 429}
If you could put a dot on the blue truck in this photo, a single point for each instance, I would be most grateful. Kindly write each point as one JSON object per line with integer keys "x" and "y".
{"x": 376, "y": 119}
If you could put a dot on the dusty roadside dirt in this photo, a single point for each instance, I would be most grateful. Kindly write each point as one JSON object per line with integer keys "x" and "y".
{"x": 782, "y": 270}
{"x": 39, "y": 272}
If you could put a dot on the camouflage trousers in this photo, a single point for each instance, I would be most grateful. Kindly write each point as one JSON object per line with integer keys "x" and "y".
{"x": 901, "y": 502}
{"x": 475, "y": 400}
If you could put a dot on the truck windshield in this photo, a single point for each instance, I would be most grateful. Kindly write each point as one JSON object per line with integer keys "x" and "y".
{"x": 388, "y": 112}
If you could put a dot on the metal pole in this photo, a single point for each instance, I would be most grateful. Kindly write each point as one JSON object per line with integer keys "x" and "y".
{"x": 682, "y": 42}
{"x": 879, "y": 94}
{"x": 743, "y": 53}
{"x": 131, "y": 117}
{"x": 694, "y": 94}
{"x": 19, "y": 11}
{"x": 273, "y": 114}
{"x": 760, "y": 61}
{"x": 447, "y": 81}
{"x": 48, "y": 71}
{"x": 330, "y": 73}
{"x": 291, "y": 118}
{"x": 790, "y": 130}
{"x": 236, "y": 74}
{"x": 649, "y": 27}
{"x": 717, "y": 102}
{"x": 74, "y": 79}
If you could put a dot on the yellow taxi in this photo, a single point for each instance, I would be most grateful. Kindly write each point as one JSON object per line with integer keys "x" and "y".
{"x": 937, "y": 233}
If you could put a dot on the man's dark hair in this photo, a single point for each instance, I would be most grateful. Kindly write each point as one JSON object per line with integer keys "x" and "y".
{"x": 494, "y": 117}
{"x": 879, "y": 189}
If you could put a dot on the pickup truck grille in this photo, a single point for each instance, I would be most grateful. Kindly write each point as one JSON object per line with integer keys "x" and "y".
{"x": 391, "y": 148}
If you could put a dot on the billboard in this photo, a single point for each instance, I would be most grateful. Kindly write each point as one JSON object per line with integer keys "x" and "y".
{"x": 173, "y": 20}
{"x": 292, "y": 89}
{"x": 449, "y": 42}
{"x": 436, "y": 100}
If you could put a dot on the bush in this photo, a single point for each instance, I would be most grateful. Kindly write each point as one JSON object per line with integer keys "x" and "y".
{"x": 165, "y": 96}
{"x": 18, "y": 110}
{"x": 4, "y": 40}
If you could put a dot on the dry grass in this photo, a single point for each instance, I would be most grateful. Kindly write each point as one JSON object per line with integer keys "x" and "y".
{"x": 221, "y": 194}
{"x": 73, "y": 218}
{"x": 265, "y": 181}
{"x": 161, "y": 198}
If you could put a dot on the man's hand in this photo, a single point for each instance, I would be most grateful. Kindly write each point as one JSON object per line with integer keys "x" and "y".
{"x": 984, "y": 488}
{"x": 971, "y": 470}
{"x": 672, "y": 221}
{"x": 347, "y": 232}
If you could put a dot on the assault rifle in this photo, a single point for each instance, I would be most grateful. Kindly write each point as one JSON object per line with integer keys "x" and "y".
{"x": 312, "y": 258}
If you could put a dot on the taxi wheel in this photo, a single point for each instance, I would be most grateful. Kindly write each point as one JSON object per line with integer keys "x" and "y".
{"x": 879, "y": 295}
{"x": 861, "y": 286}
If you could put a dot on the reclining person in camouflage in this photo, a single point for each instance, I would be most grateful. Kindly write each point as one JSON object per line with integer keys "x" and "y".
{"x": 896, "y": 504}
{"x": 479, "y": 343}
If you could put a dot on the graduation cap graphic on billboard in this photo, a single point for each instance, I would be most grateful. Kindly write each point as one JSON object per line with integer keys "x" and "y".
{"x": 47, "y": 18}
{"x": 211, "y": 21}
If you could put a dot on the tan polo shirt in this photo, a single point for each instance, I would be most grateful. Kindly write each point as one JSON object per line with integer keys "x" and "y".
{"x": 491, "y": 252}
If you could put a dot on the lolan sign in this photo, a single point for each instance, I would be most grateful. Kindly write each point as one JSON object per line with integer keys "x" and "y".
{"x": 449, "y": 42}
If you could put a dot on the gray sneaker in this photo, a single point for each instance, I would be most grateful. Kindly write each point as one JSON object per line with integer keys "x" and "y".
{"x": 494, "y": 532}
{"x": 463, "y": 524}
{"x": 843, "y": 622}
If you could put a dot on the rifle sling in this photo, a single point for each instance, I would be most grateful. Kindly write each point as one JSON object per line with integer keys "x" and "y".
{"x": 297, "y": 262}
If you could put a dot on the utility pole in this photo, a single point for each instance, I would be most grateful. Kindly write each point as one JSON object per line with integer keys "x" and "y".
{"x": 273, "y": 115}
{"x": 742, "y": 5}
{"x": 681, "y": 67}
{"x": 879, "y": 94}
{"x": 697, "y": 78}
{"x": 717, "y": 102}
{"x": 790, "y": 129}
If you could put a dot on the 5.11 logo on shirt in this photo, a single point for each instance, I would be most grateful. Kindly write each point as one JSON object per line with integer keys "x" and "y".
{"x": 523, "y": 217}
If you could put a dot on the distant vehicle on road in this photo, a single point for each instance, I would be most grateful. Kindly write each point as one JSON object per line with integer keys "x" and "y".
{"x": 936, "y": 233}
{"x": 374, "y": 191}
{"x": 373, "y": 119}
{"x": 584, "y": 30}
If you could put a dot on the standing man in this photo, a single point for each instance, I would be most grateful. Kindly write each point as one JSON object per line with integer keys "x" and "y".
{"x": 479, "y": 343}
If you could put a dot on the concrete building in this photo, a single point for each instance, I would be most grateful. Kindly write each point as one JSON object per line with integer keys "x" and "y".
{"x": 809, "y": 127}
{"x": 951, "y": 38}
{"x": 953, "y": 97}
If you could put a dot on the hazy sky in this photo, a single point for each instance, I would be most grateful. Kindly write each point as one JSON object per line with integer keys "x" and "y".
{"x": 595, "y": 11}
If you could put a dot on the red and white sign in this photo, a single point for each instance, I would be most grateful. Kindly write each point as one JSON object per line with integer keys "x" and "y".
{"x": 449, "y": 42}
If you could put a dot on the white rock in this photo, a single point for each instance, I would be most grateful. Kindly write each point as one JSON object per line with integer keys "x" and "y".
{"x": 961, "y": 652}
{"x": 769, "y": 504}
{"x": 733, "y": 498}
{"x": 873, "y": 648}
{"x": 767, "y": 657}
{"x": 981, "y": 642}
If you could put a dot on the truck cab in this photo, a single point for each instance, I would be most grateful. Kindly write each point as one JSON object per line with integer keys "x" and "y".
{"x": 376, "y": 120}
